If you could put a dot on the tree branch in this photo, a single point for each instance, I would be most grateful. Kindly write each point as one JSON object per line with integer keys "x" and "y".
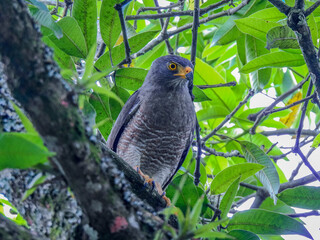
{"x": 161, "y": 38}
{"x": 229, "y": 84}
{"x": 259, "y": 115}
{"x": 118, "y": 7}
{"x": 290, "y": 131}
{"x": 306, "y": 214}
{"x": 312, "y": 8}
{"x": 229, "y": 116}
{"x": 282, "y": 7}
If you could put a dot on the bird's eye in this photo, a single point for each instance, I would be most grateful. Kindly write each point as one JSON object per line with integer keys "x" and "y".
{"x": 172, "y": 66}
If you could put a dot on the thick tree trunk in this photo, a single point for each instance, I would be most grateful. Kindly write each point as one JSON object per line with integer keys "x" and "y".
{"x": 95, "y": 175}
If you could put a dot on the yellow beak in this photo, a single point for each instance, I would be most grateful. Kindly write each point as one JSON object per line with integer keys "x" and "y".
{"x": 183, "y": 71}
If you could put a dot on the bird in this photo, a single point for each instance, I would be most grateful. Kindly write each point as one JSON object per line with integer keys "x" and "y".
{"x": 155, "y": 128}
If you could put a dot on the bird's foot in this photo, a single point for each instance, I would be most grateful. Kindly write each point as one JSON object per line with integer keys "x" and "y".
{"x": 153, "y": 184}
{"x": 163, "y": 194}
{"x": 147, "y": 180}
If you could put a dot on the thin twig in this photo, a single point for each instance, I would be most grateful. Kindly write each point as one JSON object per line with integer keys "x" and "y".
{"x": 229, "y": 84}
{"x": 290, "y": 105}
{"x": 164, "y": 27}
{"x": 312, "y": 8}
{"x": 299, "y": 182}
{"x": 143, "y": 9}
{"x": 306, "y": 162}
{"x": 229, "y": 116}
{"x": 195, "y": 32}
{"x": 303, "y": 111}
{"x": 306, "y": 214}
{"x": 258, "y": 116}
{"x": 176, "y": 14}
{"x": 272, "y": 146}
{"x": 295, "y": 171}
{"x": 161, "y": 38}
{"x": 193, "y": 61}
{"x": 118, "y": 7}
{"x": 282, "y": 7}
{"x": 290, "y": 131}
{"x": 234, "y": 153}
{"x": 250, "y": 186}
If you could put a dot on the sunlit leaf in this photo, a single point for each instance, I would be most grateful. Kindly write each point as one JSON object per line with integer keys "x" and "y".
{"x": 130, "y": 78}
{"x": 228, "y": 198}
{"x": 307, "y": 197}
{"x": 109, "y": 22}
{"x": 268, "y": 176}
{"x": 265, "y": 222}
{"x": 85, "y": 12}
{"x": 281, "y": 37}
{"x": 274, "y": 59}
{"x": 73, "y": 41}
{"x": 226, "y": 177}
{"x": 255, "y": 27}
{"x": 17, "y": 150}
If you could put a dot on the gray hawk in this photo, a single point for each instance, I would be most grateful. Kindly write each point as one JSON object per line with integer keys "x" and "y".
{"x": 155, "y": 128}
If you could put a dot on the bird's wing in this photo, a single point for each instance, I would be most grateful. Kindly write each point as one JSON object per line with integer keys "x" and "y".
{"x": 183, "y": 157}
{"x": 126, "y": 114}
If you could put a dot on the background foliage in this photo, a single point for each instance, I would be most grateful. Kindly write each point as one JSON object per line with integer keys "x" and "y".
{"x": 252, "y": 47}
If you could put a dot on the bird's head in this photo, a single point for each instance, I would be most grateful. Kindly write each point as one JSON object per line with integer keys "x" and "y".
{"x": 171, "y": 71}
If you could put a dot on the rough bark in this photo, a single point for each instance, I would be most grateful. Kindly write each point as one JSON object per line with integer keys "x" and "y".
{"x": 111, "y": 208}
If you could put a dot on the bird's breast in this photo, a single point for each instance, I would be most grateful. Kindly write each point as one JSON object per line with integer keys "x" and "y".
{"x": 157, "y": 135}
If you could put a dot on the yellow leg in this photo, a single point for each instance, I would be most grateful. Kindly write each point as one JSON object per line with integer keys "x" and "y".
{"x": 150, "y": 181}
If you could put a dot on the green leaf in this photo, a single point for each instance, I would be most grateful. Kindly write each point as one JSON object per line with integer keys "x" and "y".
{"x": 316, "y": 141}
{"x": 25, "y": 121}
{"x": 214, "y": 111}
{"x": 265, "y": 222}
{"x": 108, "y": 107}
{"x": 226, "y": 31}
{"x": 73, "y": 41}
{"x": 85, "y": 12}
{"x": 227, "y": 176}
{"x": 205, "y": 74}
{"x": 89, "y": 65}
{"x": 269, "y": 14}
{"x": 307, "y": 197}
{"x": 280, "y": 207}
{"x": 268, "y": 176}
{"x": 215, "y": 235}
{"x": 199, "y": 95}
{"x": 243, "y": 235}
{"x": 118, "y": 53}
{"x": 196, "y": 211}
{"x": 274, "y": 59}
{"x": 109, "y": 22}
{"x": 204, "y": 229}
{"x": 255, "y": 27}
{"x": 42, "y": 15}
{"x": 188, "y": 194}
{"x": 32, "y": 186}
{"x": 228, "y": 198}
{"x": 18, "y": 219}
{"x": 282, "y": 37}
{"x": 63, "y": 59}
{"x": 104, "y": 120}
{"x": 17, "y": 151}
{"x": 130, "y": 78}
{"x": 254, "y": 49}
